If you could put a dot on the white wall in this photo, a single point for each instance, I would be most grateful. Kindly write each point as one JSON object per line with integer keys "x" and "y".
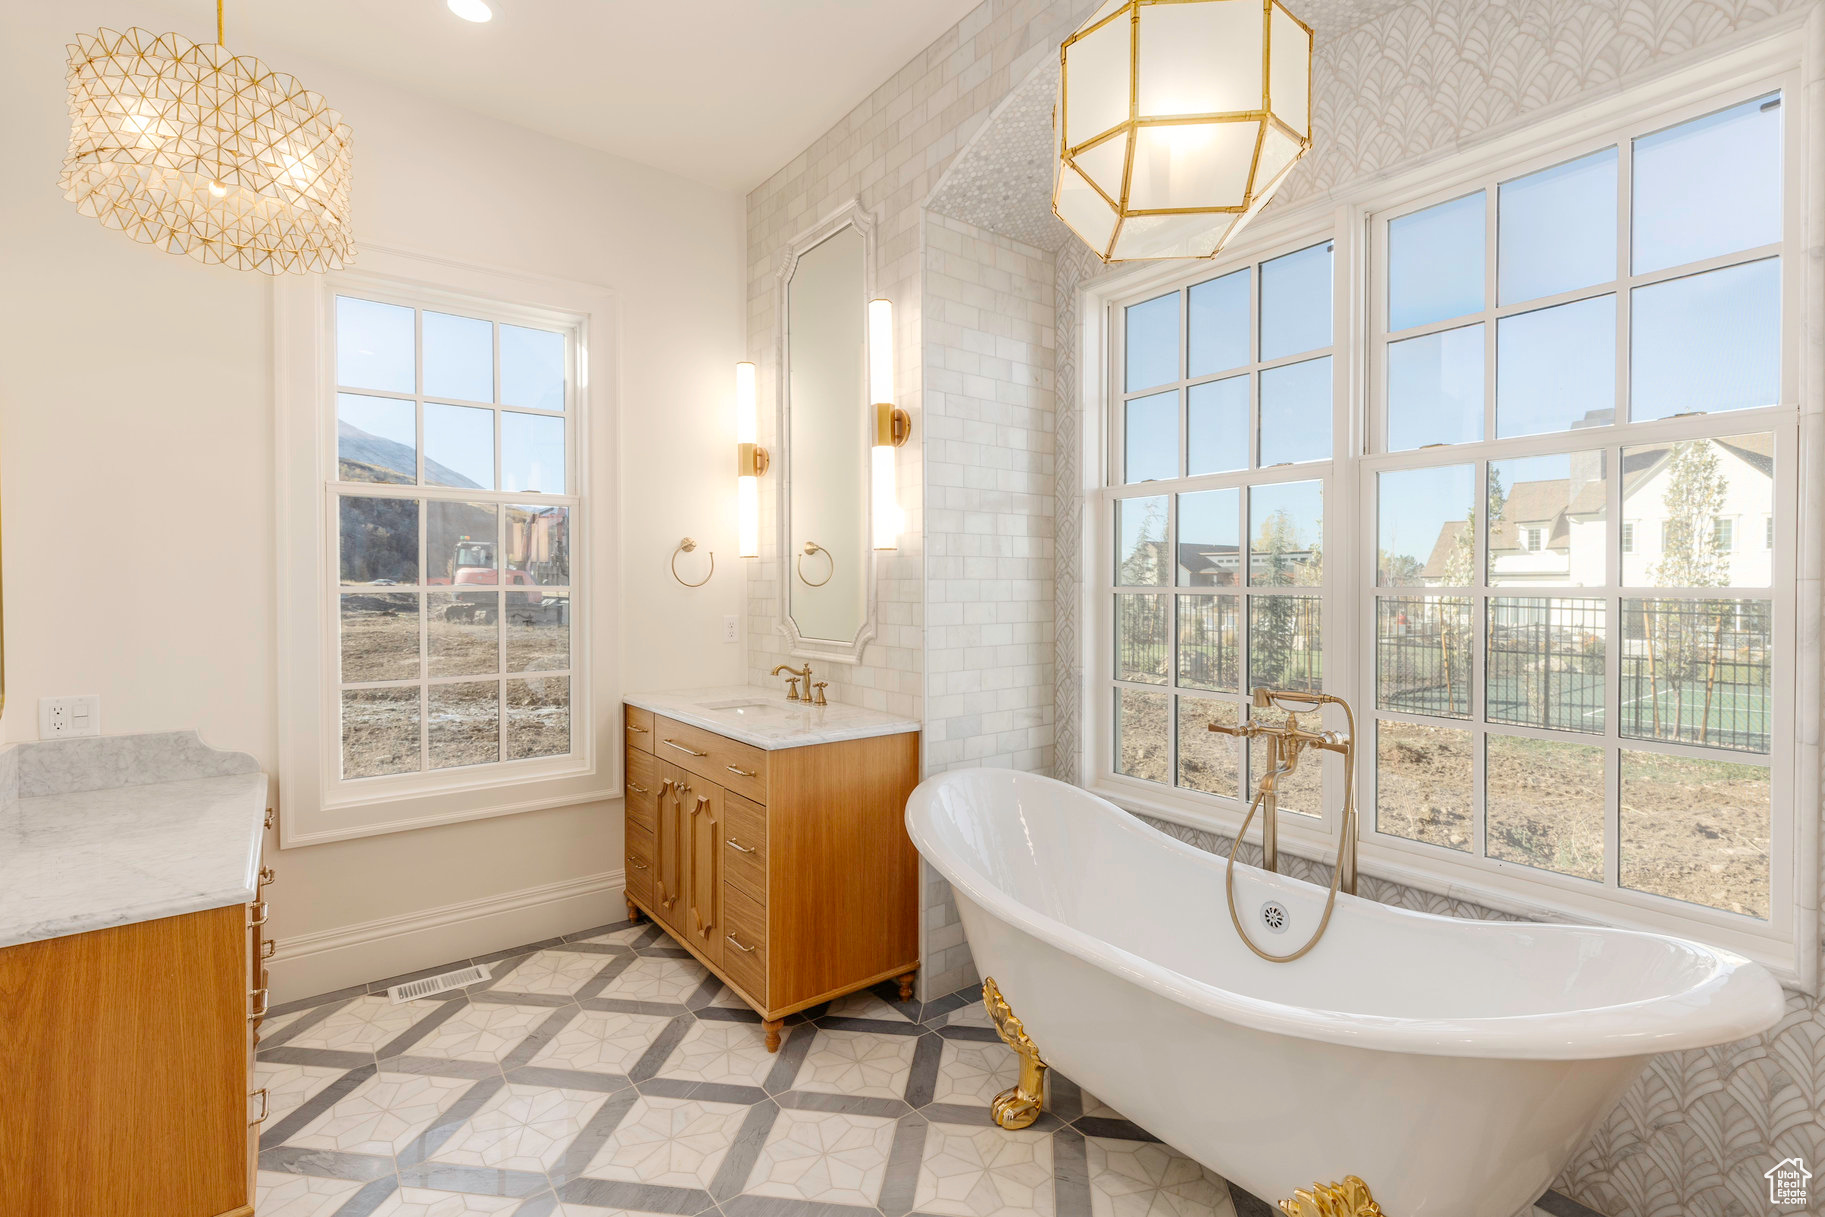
{"x": 136, "y": 459}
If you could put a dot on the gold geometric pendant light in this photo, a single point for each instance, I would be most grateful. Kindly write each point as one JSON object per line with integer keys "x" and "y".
{"x": 1176, "y": 122}
{"x": 199, "y": 152}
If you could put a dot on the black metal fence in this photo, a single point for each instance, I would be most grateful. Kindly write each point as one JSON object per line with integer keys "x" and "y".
{"x": 1691, "y": 671}
{"x": 1285, "y": 640}
{"x": 1697, "y": 671}
{"x": 1210, "y": 642}
{"x": 1546, "y": 662}
{"x": 1143, "y": 638}
{"x": 1422, "y": 655}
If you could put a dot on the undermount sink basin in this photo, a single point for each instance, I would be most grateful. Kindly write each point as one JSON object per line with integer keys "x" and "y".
{"x": 755, "y": 709}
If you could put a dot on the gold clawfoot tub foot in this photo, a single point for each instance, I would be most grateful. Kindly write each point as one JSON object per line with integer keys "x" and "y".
{"x": 1019, "y": 1105}
{"x": 1350, "y": 1198}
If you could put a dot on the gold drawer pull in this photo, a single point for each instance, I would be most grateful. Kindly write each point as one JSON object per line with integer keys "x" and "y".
{"x": 267, "y": 874}
{"x": 260, "y": 997}
{"x": 741, "y": 773}
{"x": 271, "y": 817}
{"x": 738, "y": 847}
{"x": 265, "y": 1107}
{"x": 641, "y": 730}
{"x": 637, "y": 788}
{"x": 267, "y": 947}
{"x": 636, "y": 865}
{"x": 741, "y": 946}
{"x": 683, "y": 749}
{"x": 260, "y": 917}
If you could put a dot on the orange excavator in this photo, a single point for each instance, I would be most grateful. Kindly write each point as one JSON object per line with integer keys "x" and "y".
{"x": 474, "y": 567}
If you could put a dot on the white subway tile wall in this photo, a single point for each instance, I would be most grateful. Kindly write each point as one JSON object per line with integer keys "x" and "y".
{"x": 989, "y": 436}
{"x": 989, "y": 592}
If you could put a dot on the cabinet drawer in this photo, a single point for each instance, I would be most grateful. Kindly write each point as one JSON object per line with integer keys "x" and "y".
{"x": 745, "y": 847}
{"x": 639, "y": 727}
{"x": 744, "y": 948}
{"x": 642, "y": 786}
{"x": 640, "y": 840}
{"x": 640, "y": 869}
{"x": 731, "y": 765}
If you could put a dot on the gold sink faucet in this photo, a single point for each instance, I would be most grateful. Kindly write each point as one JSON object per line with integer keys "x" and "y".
{"x": 1285, "y": 743}
{"x": 794, "y": 676}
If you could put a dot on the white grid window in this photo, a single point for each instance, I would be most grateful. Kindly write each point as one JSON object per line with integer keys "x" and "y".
{"x": 453, "y": 500}
{"x": 1560, "y": 348}
{"x": 1217, "y": 504}
{"x": 1560, "y": 707}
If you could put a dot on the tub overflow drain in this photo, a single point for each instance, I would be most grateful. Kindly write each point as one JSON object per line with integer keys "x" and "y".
{"x": 1273, "y": 916}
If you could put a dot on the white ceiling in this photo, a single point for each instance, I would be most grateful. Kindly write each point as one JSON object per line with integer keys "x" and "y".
{"x": 720, "y": 91}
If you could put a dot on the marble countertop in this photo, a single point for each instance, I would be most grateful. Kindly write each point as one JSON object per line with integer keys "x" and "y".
{"x": 76, "y": 860}
{"x": 765, "y": 719}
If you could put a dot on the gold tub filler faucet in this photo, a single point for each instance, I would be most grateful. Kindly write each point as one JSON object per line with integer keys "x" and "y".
{"x": 814, "y": 693}
{"x": 1285, "y": 743}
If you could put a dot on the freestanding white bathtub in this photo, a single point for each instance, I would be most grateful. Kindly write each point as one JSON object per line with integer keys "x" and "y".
{"x": 1453, "y": 1065}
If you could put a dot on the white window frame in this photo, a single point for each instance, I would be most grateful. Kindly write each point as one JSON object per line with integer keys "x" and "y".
{"x": 319, "y": 804}
{"x": 1776, "y": 60}
{"x": 1324, "y": 472}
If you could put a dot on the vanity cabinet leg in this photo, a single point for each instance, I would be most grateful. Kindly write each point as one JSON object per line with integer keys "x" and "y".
{"x": 771, "y": 1026}
{"x": 633, "y": 911}
{"x": 906, "y": 986}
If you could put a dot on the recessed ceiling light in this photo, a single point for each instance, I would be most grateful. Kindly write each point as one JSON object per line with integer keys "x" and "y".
{"x": 471, "y": 10}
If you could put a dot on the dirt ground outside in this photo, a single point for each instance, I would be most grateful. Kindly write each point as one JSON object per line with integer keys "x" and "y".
{"x": 461, "y": 720}
{"x": 1692, "y": 830}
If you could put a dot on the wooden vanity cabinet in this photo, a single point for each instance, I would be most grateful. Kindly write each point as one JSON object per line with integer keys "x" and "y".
{"x": 129, "y": 1055}
{"x": 128, "y": 1081}
{"x": 788, "y": 873}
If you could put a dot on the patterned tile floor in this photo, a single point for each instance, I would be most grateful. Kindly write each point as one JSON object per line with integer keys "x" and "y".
{"x": 608, "y": 1071}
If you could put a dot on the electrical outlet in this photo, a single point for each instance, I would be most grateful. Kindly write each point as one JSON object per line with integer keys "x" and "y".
{"x": 68, "y": 717}
{"x": 731, "y": 629}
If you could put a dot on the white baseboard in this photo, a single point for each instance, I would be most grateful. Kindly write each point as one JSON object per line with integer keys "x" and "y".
{"x": 328, "y": 960}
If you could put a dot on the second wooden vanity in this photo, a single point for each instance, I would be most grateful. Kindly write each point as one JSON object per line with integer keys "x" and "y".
{"x": 132, "y": 982}
{"x": 783, "y": 866}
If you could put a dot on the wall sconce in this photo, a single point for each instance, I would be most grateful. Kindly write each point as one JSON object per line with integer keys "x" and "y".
{"x": 751, "y": 461}
{"x": 892, "y": 425}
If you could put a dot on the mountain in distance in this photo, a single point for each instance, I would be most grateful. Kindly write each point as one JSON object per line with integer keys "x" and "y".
{"x": 364, "y": 457}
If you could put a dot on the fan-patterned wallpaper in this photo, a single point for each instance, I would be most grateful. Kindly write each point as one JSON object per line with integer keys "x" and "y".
{"x": 1695, "y": 1134}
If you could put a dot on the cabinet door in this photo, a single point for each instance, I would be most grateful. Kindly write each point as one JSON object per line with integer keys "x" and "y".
{"x": 702, "y": 916}
{"x": 669, "y": 844}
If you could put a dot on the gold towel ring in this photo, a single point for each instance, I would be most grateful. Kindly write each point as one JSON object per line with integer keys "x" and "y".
{"x": 812, "y": 547}
{"x": 687, "y": 546}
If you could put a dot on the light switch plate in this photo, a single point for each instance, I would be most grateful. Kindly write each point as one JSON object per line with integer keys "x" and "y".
{"x": 69, "y": 717}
